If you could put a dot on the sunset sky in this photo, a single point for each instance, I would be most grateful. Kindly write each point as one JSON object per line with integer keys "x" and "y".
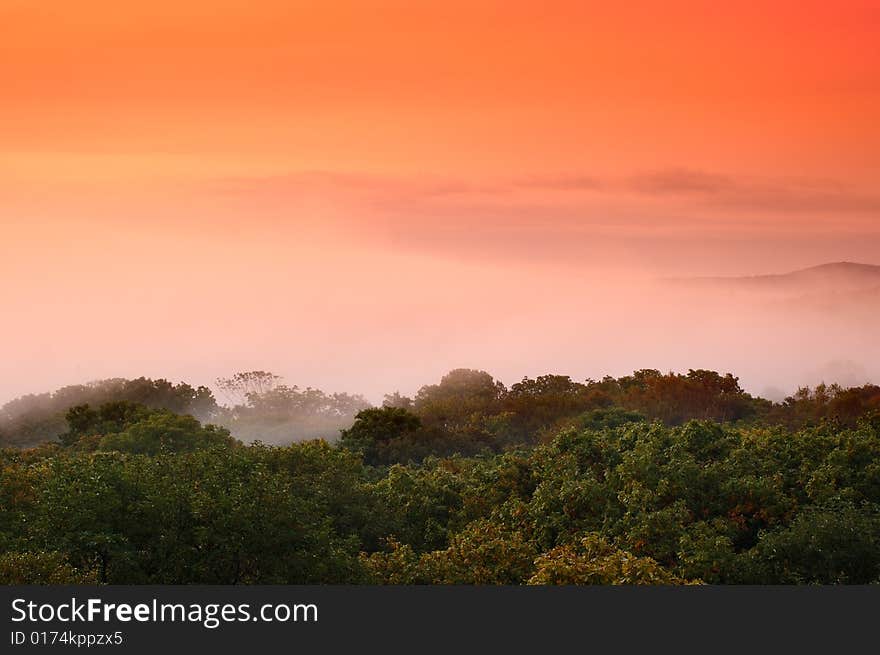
{"x": 363, "y": 195}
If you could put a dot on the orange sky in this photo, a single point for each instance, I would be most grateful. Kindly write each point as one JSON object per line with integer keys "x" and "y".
{"x": 330, "y": 171}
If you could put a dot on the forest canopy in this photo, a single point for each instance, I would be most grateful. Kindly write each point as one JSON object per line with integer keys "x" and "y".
{"x": 653, "y": 478}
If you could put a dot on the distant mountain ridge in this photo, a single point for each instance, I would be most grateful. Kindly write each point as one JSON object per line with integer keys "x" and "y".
{"x": 843, "y": 271}
{"x": 842, "y": 277}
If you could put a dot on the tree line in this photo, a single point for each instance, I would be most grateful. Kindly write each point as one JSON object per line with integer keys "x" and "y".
{"x": 647, "y": 479}
{"x": 467, "y": 410}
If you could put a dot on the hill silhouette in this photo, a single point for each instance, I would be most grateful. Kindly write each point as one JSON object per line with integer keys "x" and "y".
{"x": 834, "y": 276}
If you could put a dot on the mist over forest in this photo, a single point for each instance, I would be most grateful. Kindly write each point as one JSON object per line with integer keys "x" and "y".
{"x": 258, "y": 406}
{"x": 653, "y": 476}
{"x": 776, "y": 332}
{"x": 785, "y": 331}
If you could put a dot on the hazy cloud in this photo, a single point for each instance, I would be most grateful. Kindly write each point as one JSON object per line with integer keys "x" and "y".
{"x": 679, "y": 181}
{"x": 726, "y": 192}
{"x": 561, "y": 183}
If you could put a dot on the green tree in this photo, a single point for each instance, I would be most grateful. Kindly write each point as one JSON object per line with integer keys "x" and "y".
{"x": 593, "y": 560}
{"x": 375, "y": 428}
{"x": 41, "y": 569}
{"x": 166, "y": 432}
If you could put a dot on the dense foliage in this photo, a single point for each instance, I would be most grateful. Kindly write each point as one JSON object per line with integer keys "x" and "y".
{"x": 648, "y": 479}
